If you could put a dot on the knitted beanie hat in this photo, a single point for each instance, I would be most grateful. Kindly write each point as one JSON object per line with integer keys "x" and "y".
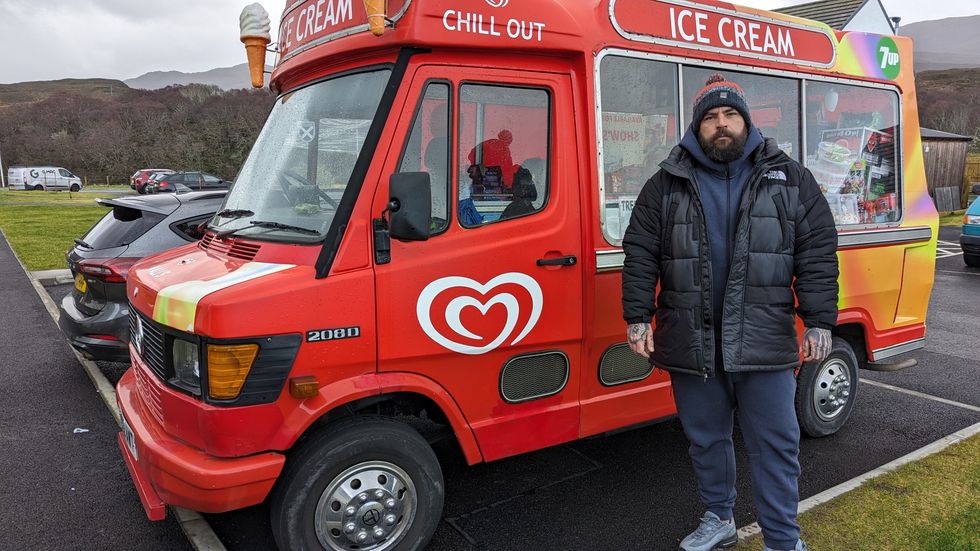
{"x": 718, "y": 92}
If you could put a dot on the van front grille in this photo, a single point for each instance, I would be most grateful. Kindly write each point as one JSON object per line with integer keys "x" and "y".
{"x": 151, "y": 347}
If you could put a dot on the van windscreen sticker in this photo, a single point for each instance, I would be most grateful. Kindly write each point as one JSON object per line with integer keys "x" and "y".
{"x": 446, "y": 302}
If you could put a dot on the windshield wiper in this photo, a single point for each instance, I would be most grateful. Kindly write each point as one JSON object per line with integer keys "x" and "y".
{"x": 81, "y": 243}
{"x": 268, "y": 225}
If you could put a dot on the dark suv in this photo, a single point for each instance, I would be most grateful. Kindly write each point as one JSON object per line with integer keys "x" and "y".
{"x": 95, "y": 316}
{"x": 195, "y": 181}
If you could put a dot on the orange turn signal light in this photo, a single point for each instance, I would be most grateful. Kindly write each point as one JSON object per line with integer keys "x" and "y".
{"x": 228, "y": 367}
{"x": 304, "y": 387}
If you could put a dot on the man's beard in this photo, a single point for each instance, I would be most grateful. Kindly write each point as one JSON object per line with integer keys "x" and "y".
{"x": 732, "y": 152}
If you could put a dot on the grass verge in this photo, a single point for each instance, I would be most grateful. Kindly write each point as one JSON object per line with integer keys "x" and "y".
{"x": 929, "y": 505}
{"x": 51, "y": 198}
{"x": 954, "y": 218}
{"x": 40, "y": 235}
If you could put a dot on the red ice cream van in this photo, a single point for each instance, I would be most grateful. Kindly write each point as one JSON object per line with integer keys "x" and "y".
{"x": 425, "y": 239}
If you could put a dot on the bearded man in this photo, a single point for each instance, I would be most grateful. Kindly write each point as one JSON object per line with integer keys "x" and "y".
{"x": 741, "y": 240}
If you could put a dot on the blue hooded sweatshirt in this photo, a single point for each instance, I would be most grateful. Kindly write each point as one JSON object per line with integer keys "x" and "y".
{"x": 720, "y": 186}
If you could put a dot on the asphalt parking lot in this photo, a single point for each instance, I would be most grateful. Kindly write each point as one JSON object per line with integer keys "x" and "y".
{"x": 629, "y": 490}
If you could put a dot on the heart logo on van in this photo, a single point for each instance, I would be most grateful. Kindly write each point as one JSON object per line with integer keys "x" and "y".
{"x": 457, "y": 305}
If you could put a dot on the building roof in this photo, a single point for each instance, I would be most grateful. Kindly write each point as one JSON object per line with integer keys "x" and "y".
{"x": 836, "y": 13}
{"x": 930, "y": 134}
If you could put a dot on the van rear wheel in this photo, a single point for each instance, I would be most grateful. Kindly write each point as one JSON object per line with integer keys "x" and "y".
{"x": 38, "y": 187}
{"x": 364, "y": 483}
{"x": 826, "y": 391}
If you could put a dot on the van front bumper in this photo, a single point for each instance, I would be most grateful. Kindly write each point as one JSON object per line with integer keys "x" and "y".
{"x": 969, "y": 242}
{"x": 167, "y": 471}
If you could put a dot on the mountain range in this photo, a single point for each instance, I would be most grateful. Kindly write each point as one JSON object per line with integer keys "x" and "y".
{"x": 226, "y": 78}
{"x": 949, "y": 43}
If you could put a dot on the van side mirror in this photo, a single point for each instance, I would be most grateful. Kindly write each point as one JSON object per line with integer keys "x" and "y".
{"x": 410, "y": 205}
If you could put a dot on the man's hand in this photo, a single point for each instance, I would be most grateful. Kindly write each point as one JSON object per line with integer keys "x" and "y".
{"x": 640, "y": 337}
{"x": 816, "y": 344}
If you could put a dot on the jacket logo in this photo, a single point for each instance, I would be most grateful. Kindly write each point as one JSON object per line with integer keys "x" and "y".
{"x": 498, "y": 291}
{"x": 776, "y": 175}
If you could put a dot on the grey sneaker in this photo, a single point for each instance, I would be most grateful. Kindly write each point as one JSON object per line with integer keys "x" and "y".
{"x": 713, "y": 533}
{"x": 800, "y": 546}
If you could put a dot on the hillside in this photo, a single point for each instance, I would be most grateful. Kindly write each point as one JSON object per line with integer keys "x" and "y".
{"x": 28, "y": 92}
{"x": 226, "y": 78}
{"x": 950, "y": 101}
{"x": 935, "y": 51}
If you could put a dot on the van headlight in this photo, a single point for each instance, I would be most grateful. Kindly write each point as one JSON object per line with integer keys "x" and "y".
{"x": 187, "y": 363}
{"x": 972, "y": 219}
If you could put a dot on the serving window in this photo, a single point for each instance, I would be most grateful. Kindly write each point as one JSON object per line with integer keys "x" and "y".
{"x": 774, "y": 103}
{"x": 844, "y": 133}
{"x": 639, "y": 128}
{"x": 851, "y": 151}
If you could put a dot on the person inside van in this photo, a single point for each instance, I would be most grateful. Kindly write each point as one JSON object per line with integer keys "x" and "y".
{"x": 493, "y": 160}
{"x": 524, "y": 194}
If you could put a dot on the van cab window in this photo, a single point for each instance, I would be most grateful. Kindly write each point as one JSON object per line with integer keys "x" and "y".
{"x": 427, "y": 149}
{"x": 504, "y": 152}
{"x": 65, "y": 173}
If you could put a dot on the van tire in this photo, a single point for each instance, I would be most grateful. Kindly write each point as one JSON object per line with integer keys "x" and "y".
{"x": 818, "y": 385}
{"x": 972, "y": 260}
{"x": 339, "y": 456}
{"x": 74, "y": 187}
{"x": 38, "y": 187}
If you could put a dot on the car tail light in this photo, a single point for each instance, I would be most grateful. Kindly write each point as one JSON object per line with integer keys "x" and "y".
{"x": 163, "y": 184}
{"x": 113, "y": 270}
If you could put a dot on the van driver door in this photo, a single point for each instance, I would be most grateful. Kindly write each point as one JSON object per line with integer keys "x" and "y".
{"x": 490, "y": 306}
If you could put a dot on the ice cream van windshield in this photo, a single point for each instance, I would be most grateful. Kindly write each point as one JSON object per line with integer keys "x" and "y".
{"x": 295, "y": 176}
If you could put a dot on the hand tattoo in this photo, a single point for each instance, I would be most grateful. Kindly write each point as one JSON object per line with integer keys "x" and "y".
{"x": 817, "y": 344}
{"x": 637, "y": 332}
{"x": 640, "y": 339}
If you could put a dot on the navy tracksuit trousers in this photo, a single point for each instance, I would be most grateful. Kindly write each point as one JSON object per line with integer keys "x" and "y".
{"x": 767, "y": 417}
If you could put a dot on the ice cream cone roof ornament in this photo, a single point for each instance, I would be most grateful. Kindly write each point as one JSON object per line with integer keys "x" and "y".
{"x": 376, "y": 13}
{"x": 255, "y": 27}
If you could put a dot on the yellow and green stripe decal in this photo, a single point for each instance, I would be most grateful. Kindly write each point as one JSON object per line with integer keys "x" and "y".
{"x": 176, "y": 305}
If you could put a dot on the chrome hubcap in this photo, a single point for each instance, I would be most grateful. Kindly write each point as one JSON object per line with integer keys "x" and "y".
{"x": 832, "y": 389}
{"x": 368, "y": 507}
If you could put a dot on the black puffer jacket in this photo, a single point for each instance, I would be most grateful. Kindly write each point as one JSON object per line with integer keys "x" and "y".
{"x": 784, "y": 230}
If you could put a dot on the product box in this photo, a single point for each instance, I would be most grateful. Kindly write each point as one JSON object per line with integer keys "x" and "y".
{"x": 854, "y": 168}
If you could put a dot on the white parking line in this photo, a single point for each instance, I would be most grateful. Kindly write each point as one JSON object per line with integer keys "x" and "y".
{"x": 195, "y": 527}
{"x": 921, "y": 453}
{"x": 921, "y": 395}
{"x": 945, "y": 249}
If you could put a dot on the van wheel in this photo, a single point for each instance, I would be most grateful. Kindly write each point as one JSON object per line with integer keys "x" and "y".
{"x": 826, "y": 391}
{"x": 74, "y": 187}
{"x": 364, "y": 483}
{"x": 38, "y": 187}
{"x": 972, "y": 260}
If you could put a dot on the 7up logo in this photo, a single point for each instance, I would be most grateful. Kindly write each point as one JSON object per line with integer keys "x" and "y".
{"x": 888, "y": 58}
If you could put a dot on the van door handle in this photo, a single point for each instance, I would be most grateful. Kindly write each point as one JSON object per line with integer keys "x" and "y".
{"x": 560, "y": 261}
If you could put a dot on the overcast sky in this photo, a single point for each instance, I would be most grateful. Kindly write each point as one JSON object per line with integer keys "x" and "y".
{"x": 54, "y": 39}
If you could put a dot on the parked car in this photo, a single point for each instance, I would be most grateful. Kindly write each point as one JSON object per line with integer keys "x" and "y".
{"x": 42, "y": 178}
{"x": 196, "y": 181}
{"x": 95, "y": 316}
{"x": 970, "y": 238}
{"x": 149, "y": 185}
{"x": 139, "y": 178}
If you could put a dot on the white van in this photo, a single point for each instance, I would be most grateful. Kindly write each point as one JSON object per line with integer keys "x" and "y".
{"x": 42, "y": 178}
